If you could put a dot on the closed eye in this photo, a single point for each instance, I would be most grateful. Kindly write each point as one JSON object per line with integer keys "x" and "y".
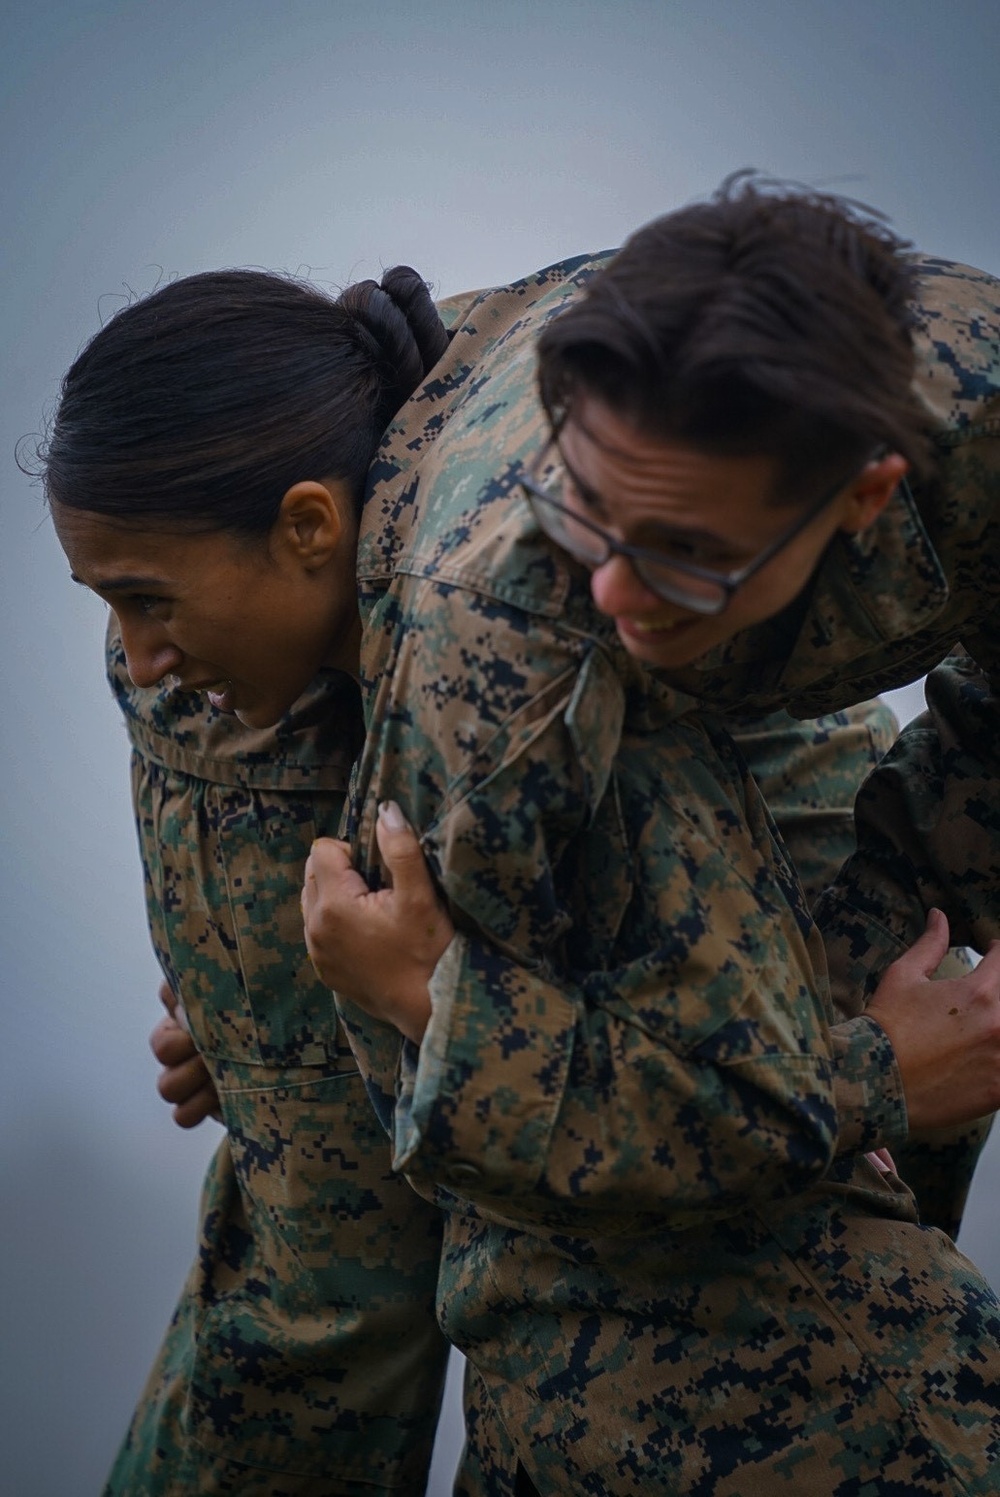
{"x": 125, "y": 591}
{"x": 576, "y": 495}
{"x": 696, "y": 550}
{"x": 136, "y": 602}
{"x": 145, "y": 602}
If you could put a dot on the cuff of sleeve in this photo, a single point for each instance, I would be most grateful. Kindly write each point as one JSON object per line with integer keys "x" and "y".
{"x": 477, "y": 1103}
{"x": 427, "y": 1060}
{"x": 858, "y": 950}
{"x": 868, "y": 1089}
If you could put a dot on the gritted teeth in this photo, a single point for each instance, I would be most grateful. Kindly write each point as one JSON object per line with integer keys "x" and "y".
{"x": 658, "y": 627}
{"x": 221, "y": 696}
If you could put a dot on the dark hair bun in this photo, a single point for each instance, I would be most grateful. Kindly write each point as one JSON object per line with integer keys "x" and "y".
{"x": 406, "y": 335}
{"x": 412, "y": 296}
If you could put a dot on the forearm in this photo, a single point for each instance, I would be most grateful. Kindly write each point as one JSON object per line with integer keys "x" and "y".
{"x": 629, "y": 1026}
{"x": 927, "y": 833}
{"x": 568, "y": 1103}
{"x": 868, "y": 1088}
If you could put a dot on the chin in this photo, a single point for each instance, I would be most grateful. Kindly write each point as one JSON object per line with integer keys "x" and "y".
{"x": 260, "y": 709}
{"x": 259, "y": 717}
{"x": 682, "y": 649}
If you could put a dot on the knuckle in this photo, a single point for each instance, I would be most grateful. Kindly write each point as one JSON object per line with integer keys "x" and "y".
{"x": 983, "y": 990}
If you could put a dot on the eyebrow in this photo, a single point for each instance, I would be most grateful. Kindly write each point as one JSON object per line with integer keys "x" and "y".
{"x": 650, "y": 526}
{"x": 120, "y": 584}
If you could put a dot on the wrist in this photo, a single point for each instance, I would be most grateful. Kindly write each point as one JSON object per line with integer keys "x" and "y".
{"x": 406, "y": 1009}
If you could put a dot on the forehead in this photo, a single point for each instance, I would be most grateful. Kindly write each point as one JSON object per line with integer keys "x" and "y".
{"x": 106, "y": 553}
{"x": 632, "y": 471}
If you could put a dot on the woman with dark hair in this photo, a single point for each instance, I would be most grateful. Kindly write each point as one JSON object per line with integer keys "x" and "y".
{"x": 304, "y": 1356}
{"x": 627, "y": 1100}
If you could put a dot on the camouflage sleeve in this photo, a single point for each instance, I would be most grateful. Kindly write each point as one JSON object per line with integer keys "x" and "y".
{"x": 451, "y": 309}
{"x": 675, "y": 1083}
{"x": 928, "y": 819}
{"x": 809, "y": 772}
{"x": 928, "y": 831}
{"x": 926, "y": 837}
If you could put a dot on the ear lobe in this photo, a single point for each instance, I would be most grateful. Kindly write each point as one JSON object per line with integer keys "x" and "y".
{"x": 310, "y": 523}
{"x": 871, "y": 491}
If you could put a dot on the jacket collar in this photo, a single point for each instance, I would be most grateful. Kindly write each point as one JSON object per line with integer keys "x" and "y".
{"x": 877, "y": 587}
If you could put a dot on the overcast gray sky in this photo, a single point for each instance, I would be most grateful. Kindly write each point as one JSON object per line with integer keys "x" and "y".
{"x": 477, "y": 141}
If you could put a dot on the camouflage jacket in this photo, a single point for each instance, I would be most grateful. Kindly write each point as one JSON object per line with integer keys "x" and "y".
{"x": 304, "y": 1359}
{"x": 625, "y": 1099}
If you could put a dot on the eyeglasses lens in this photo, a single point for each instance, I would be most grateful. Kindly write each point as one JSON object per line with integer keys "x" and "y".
{"x": 556, "y": 501}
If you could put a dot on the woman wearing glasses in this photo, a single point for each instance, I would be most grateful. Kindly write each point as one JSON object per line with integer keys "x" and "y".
{"x": 664, "y": 1245}
{"x": 607, "y": 1073}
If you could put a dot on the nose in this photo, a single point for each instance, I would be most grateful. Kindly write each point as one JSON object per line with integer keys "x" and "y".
{"x": 617, "y": 590}
{"x": 149, "y": 655}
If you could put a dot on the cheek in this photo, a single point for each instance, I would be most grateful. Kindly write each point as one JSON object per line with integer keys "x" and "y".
{"x": 771, "y": 591}
{"x": 616, "y": 589}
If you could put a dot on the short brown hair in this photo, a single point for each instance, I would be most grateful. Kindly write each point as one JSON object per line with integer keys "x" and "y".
{"x": 768, "y": 320}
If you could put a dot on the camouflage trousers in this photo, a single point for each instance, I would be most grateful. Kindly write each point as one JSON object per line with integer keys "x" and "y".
{"x": 291, "y": 1370}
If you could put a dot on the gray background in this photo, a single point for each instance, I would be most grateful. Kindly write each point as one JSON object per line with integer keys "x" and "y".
{"x": 477, "y": 141}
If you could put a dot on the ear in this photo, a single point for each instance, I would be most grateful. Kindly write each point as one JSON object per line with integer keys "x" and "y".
{"x": 312, "y": 521}
{"x": 871, "y": 491}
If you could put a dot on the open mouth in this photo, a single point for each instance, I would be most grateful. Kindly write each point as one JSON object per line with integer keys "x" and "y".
{"x": 221, "y": 696}
{"x": 650, "y": 628}
{"x": 219, "y": 693}
{"x": 647, "y": 626}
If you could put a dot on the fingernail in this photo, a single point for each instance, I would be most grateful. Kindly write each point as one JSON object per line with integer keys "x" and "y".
{"x": 392, "y": 817}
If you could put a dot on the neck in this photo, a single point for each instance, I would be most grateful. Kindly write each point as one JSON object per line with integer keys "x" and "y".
{"x": 345, "y": 655}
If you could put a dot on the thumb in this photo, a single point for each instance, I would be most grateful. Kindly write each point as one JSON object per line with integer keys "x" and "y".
{"x": 928, "y": 951}
{"x": 329, "y": 859}
{"x": 402, "y": 855}
{"x": 329, "y": 864}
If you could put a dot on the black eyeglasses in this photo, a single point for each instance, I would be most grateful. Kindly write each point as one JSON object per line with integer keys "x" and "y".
{"x": 700, "y": 589}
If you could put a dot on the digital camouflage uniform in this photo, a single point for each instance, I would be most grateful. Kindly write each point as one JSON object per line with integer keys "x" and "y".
{"x": 303, "y": 1358}
{"x": 807, "y": 772}
{"x": 209, "y": 793}
{"x": 631, "y": 1092}
{"x": 195, "y": 776}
